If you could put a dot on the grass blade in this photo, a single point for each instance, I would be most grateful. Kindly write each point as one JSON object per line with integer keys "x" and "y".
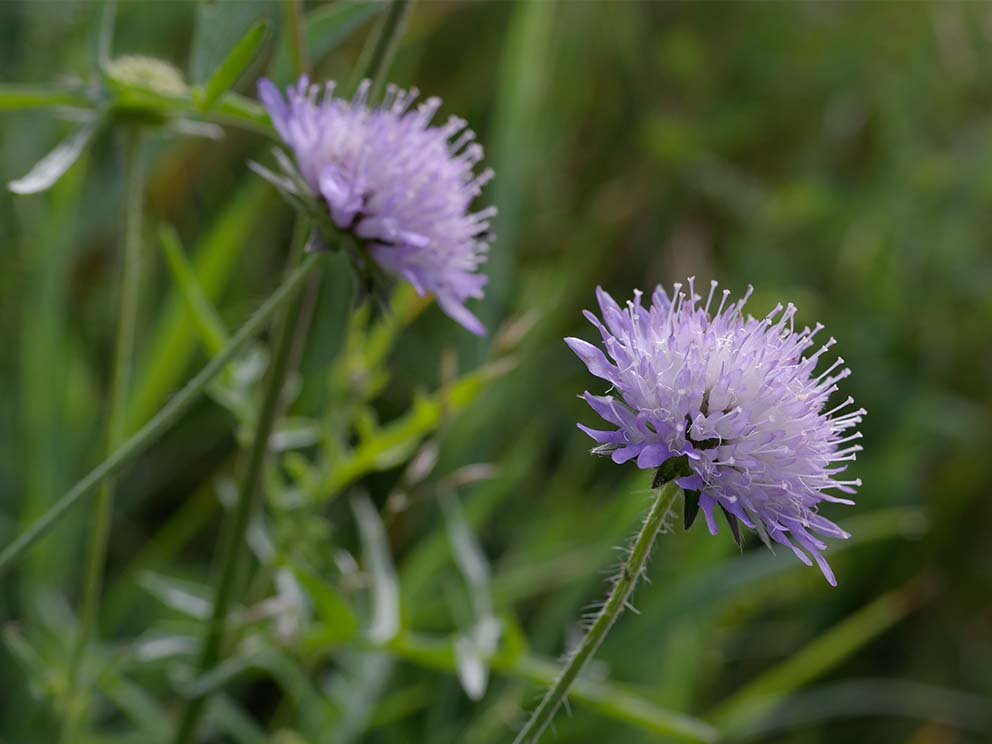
{"x": 325, "y": 27}
{"x": 385, "y": 622}
{"x": 234, "y": 65}
{"x": 169, "y": 414}
{"x": 763, "y": 694}
{"x": 172, "y": 343}
{"x": 609, "y": 698}
{"x": 205, "y": 317}
{"x": 15, "y": 97}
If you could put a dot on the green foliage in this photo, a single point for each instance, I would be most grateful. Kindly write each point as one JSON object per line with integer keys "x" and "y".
{"x": 836, "y": 155}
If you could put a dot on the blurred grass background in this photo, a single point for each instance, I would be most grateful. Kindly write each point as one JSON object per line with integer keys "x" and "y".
{"x": 838, "y": 155}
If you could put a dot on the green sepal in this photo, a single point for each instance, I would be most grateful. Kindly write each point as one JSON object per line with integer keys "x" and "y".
{"x": 691, "y": 508}
{"x": 735, "y": 528}
{"x": 670, "y": 469}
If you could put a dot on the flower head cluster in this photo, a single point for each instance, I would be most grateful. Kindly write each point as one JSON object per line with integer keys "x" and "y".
{"x": 735, "y": 402}
{"x": 397, "y": 182}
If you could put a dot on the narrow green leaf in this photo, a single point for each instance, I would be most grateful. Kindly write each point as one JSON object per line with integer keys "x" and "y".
{"x": 763, "y": 694}
{"x": 338, "y": 621}
{"x": 173, "y": 342}
{"x": 182, "y": 597}
{"x": 137, "y": 704}
{"x": 613, "y": 700}
{"x": 385, "y": 622}
{"x": 473, "y": 648}
{"x": 326, "y": 28}
{"x": 160, "y": 422}
{"x": 14, "y": 97}
{"x": 50, "y": 168}
{"x": 205, "y": 317}
{"x": 856, "y": 698}
{"x": 395, "y": 442}
{"x": 34, "y": 665}
{"x": 103, "y": 51}
{"x": 232, "y": 720}
{"x": 234, "y": 64}
{"x": 217, "y": 28}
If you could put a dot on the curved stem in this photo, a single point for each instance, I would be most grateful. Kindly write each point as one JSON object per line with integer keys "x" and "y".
{"x": 116, "y": 422}
{"x": 233, "y": 549}
{"x": 161, "y": 421}
{"x": 623, "y": 588}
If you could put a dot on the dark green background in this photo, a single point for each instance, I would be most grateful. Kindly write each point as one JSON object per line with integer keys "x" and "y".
{"x": 835, "y": 155}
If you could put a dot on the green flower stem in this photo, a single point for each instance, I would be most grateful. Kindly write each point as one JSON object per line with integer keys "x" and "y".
{"x": 294, "y": 325}
{"x": 233, "y": 550}
{"x": 116, "y": 422}
{"x": 623, "y": 588}
{"x": 297, "y": 36}
{"x": 165, "y": 418}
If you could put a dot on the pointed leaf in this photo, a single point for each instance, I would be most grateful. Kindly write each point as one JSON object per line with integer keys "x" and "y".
{"x": 205, "y": 318}
{"x": 182, "y": 597}
{"x": 472, "y": 651}
{"x": 24, "y": 653}
{"x": 338, "y": 621}
{"x": 14, "y": 97}
{"x": 193, "y": 128}
{"x": 379, "y": 562}
{"x": 218, "y": 27}
{"x": 471, "y": 667}
{"x": 50, "y": 168}
{"x": 234, "y": 65}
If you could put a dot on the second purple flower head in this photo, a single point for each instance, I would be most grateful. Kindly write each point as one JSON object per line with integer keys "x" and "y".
{"x": 397, "y": 182}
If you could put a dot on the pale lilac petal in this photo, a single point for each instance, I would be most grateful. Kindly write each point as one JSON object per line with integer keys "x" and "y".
{"x": 592, "y": 357}
{"x": 653, "y": 455}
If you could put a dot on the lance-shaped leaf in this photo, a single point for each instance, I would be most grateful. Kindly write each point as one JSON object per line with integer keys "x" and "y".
{"x": 473, "y": 649}
{"x": 14, "y": 97}
{"x": 50, "y": 168}
{"x": 234, "y": 65}
{"x": 382, "y": 574}
{"x": 337, "y": 620}
{"x": 205, "y": 318}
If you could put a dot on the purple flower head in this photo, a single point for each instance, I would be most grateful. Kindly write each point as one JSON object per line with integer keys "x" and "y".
{"x": 735, "y": 402}
{"x": 397, "y": 182}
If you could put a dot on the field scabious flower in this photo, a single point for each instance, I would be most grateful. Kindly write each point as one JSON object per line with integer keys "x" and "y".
{"x": 400, "y": 184}
{"x": 735, "y": 402}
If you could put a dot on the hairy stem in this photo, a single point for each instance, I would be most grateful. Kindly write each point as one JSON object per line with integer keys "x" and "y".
{"x": 623, "y": 588}
{"x": 96, "y": 555}
{"x": 233, "y": 550}
{"x": 161, "y": 421}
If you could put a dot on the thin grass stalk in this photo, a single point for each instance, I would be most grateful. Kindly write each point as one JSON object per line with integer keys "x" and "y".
{"x": 294, "y": 322}
{"x": 234, "y": 548}
{"x": 130, "y": 287}
{"x": 171, "y": 412}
